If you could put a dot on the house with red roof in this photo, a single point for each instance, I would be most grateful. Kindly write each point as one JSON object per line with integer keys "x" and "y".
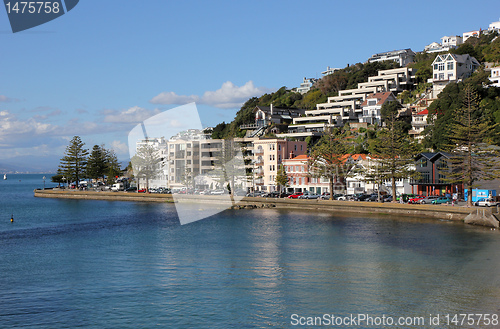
{"x": 418, "y": 124}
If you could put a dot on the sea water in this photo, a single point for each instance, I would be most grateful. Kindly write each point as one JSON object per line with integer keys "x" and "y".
{"x": 115, "y": 264}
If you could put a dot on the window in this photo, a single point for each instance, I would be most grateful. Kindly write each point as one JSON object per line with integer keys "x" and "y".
{"x": 279, "y": 147}
{"x": 441, "y": 67}
{"x": 449, "y": 66}
{"x": 435, "y": 67}
{"x": 279, "y": 157}
{"x": 441, "y": 76}
{"x": 301, "y": 147}
{"x": 372, "y": 102}
{"x": 295, "y": 147}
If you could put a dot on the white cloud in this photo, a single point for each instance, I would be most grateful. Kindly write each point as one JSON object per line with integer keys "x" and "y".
{"x": 5, "y": 99}
{"x": 229, "y": 96}
{"x": 119, "y": 147}
{"x": 134, "y": 114}
{"x": 172, "y": 98}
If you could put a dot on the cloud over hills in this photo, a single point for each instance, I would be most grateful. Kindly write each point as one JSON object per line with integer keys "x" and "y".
{"x": 229, "y": 96}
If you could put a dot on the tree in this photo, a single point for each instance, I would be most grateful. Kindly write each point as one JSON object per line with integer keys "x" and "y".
{"x": 58, "y": 178}
{"x": 146, "y": 164}
{"x": 328, "y": 157}
{"x": 281, "y": 178}
{"x": 472, "y": 158}
{"x": 229, "y": 165}
{"x": 74, "y": 163}
{"x": 112, "y": 165}
{"x": 96, "y": 164}
{"x": 393, "y": 148}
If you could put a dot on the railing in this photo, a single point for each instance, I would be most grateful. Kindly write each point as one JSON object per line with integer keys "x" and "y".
{"x": 252, "y": 126}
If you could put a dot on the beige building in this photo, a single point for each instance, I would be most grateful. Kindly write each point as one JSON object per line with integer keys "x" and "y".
{"x": 268, "y": 156}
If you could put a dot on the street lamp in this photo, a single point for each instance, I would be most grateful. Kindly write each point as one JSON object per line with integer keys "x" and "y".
{"x": 43, "y": 182}
{"x": 64, "y": 181}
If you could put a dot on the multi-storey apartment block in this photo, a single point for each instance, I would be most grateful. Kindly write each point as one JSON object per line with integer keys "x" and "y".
{"x": 347, "y": 106}
{"x": 306, "y": 85}
{"x": 451, "y": 68}
{"x": 268, "y": 156}
{"x": 403, "y": 57}
{"x": 418, "y": 124}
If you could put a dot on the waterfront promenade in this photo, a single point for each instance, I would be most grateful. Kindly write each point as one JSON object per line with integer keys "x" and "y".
{"x": 444, "y": 212}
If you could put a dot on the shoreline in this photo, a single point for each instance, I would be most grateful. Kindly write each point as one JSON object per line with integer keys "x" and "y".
{"x": 443, "y": 212}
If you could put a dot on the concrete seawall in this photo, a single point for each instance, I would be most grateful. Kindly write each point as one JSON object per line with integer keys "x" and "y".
{"x": 447, "y": 212}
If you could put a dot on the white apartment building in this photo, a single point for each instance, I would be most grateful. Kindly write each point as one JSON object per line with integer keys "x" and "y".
{"x": 347, "y": 106}
{"x": 159, "y": 146}
{"x": 451, "y": 68}
{"x": 418, "y": 124}
{"x": 403, "y": 57}
{"x": 447, "y": 43}
{"x": 372, "y": 107}
{"x": 329, "y": 70}
{"x": 306, "y": 85}
{"x": 268, "y": 156}
{"x": 495, "y": 77}
{"x": 470, "y": 34}
{"x": 495, "y": 26}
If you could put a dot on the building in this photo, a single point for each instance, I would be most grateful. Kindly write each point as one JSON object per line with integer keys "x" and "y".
{"x": 495, "y": 77}
{"x": 347, "y": 106}
{"x": 358, "y": 180}
{"x": 299, "y": 179}
{"x": 433, "y": 168}
{"x": 418, "y": 124}
{"x": 306, "y": 85}
{"x": 467, "y": 35}
{"x": 447, "y": 43}
{"x": 402, "y": 57}
{"x": 268, "y": 115}
{"x": 373, "y": 105}
{"x": 495, "y": 26}
{"x": 451, "y": 68}
{"x": 329, "y": 70}
{"x": 451, "y": 41}
{"x": 268, "y": 156}
{"x": 159, "y": 148}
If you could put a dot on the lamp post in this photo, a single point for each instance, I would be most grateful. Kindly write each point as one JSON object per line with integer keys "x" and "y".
{"x": 64, "y": 181}
{"x": 43, "y": 182}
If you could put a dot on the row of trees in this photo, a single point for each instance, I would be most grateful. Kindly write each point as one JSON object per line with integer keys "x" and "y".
{"x": 77, "y": 163}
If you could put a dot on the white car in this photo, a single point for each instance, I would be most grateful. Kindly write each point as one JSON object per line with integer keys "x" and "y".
{"x": 486, "y": 202}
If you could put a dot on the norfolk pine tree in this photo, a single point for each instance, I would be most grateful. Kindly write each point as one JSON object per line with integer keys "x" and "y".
{"x": 473, "y": 158}
{"x": 393, "y": 148}
{"x": 327, "y": 159}
{"x": 281, "y": 179}
{"x": 74, "y": 163}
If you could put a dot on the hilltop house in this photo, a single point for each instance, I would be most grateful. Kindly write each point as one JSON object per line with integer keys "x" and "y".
{"x": 306, "y": 85}
{"x": 446, "y": 44}
{"x": 402, "y": 57}
{"x": 451, "y": 68}
{"x": 495, "y": 77}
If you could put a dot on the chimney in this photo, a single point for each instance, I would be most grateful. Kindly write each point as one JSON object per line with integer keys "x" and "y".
{"x": 291, "y": 155}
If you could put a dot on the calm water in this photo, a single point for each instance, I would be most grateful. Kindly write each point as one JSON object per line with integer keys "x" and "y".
{"x": 100, "y": 264}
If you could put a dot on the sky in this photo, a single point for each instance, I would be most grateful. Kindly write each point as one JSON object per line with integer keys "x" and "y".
{"x": 106, "y": 66}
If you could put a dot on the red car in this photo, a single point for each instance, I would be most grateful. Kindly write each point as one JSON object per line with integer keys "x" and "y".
{"x": 142, "y": 190}
{"x": 416, "y": 199}
{"x": 295, "y": 196}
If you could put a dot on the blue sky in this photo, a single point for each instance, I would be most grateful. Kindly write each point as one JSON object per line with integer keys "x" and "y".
{"x": 105, "y": 66}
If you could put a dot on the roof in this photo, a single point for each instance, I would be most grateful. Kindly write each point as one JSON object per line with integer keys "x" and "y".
{"x": 381, "y": 98}
{"x": 424, "y": 112}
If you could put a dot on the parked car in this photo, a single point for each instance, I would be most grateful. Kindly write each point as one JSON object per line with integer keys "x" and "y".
{"x": 295, "y": 195}
{"x": 142, "y": 190}
{"x": 217, "y": 192}
{"x": 486, "y": 202}
{"x": 309, "y": 196}
{"x": 416, "y": 199}
{"x": 374, "y": 197}
{"x": 131, "y": 189}
{"x": 441, "y": 200}
{"x": 362, "y": 197}
{"x": 428, "y": 199}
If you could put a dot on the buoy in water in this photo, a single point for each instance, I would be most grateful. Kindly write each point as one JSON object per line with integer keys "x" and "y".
{"x": 12, "y": 219}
